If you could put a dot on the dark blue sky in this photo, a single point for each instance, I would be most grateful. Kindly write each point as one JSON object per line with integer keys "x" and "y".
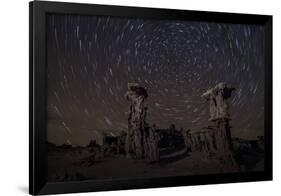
{"x": 91, "y": 60}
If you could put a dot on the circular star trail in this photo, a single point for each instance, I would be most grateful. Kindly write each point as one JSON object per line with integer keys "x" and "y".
{"x": 91, "y": 59}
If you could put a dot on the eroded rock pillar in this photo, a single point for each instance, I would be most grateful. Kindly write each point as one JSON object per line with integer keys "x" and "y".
{"x": 135, "y": 140}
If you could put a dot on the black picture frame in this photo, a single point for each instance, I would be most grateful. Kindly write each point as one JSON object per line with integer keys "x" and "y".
{"x": 38, "y": 96}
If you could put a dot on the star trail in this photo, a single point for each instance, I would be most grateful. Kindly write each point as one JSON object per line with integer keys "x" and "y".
{"x": 91, "y": 59}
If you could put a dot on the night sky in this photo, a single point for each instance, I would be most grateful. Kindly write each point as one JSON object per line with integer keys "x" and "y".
{"x": 91, "y": 59}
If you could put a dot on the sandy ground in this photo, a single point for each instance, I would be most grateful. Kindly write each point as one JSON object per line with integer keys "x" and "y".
{"x": 74, "y": 165}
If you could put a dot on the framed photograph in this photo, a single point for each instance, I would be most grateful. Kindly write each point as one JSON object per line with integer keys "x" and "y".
{"x": 127, "y": 97}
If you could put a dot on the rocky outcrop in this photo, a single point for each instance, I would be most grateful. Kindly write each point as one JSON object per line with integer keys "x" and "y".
{"x": 215, "y": 139}
{"x": 217, "y": 98}
{"x": 141, "y": 140}
{"x": 135, "y": 140}
{"x": 151, "y": 149}
{"x": 210, "y": 139}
